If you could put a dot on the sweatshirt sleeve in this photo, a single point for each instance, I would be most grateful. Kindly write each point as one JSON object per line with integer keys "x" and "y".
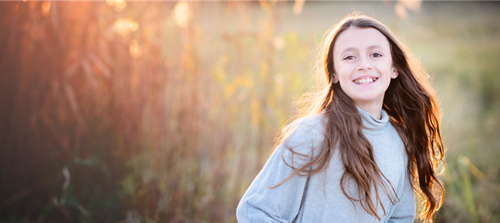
{"x": 404, "y": 211}
{"x": 261, "y": 203}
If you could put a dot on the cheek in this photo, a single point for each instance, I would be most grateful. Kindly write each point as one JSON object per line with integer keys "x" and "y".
{"x": 343, "y": 72}
{"x": 344, "y": 78}
{"x": 385, "y": 68}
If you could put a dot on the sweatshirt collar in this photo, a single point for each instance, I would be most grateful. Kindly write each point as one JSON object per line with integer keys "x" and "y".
{"x": 371, "y": 123}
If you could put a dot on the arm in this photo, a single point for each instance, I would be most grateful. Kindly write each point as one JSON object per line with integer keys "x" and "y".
{"x": 405, "y": 208}
{"x": 260, "y": 203}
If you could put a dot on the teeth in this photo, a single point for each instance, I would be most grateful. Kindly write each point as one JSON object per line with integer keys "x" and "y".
{"x": 365, "y": 80}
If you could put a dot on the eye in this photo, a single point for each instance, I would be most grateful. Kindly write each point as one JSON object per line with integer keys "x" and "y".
{"x": 376, "y": 55}
{"x": 349, "y": 57}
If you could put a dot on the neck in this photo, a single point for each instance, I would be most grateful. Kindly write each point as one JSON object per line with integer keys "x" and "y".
{"x": 374, "y": 109}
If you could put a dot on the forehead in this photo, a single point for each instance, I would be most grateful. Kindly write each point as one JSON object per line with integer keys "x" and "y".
{"x": 360, "y": 38}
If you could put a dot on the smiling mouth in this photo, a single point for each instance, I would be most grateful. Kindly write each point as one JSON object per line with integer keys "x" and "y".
{"x": 365, "y": 80}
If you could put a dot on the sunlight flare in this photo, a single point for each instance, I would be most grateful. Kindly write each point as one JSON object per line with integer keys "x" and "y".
{"x": 119, "y": 5}
{"x": 135, "y": 49}
{"x": 45, "y": 9}
{"x": 181, "y": 14}
{"x": 297, "y": 6}
{"x": 125, "y": 26}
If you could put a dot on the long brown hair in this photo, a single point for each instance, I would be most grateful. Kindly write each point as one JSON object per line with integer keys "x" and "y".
{"x": 411, "y": 104}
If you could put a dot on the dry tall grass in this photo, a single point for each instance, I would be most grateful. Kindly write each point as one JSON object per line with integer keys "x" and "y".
{"x": 96, "y": 91}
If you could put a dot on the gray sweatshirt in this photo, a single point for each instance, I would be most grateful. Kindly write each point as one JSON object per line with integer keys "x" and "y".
{"x": 319, "y": 198}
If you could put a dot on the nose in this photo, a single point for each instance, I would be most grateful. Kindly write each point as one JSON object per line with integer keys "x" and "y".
{"x": 364, "y": 64}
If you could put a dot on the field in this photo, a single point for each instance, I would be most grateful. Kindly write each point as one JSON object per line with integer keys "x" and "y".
{"x": 165, "y": 111}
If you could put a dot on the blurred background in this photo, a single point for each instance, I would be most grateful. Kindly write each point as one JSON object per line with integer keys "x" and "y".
{"x": 114, "y": 111}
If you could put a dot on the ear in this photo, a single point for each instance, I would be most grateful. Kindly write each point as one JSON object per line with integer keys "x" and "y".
{"x": 394, "y": 73}
{"x": 334, "y": 79}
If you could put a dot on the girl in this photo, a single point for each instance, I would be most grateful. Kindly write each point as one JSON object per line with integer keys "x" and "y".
{"x": 371, "y": 138}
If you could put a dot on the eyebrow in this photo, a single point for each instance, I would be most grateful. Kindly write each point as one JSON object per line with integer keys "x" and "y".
{"x": 353, "y": 48}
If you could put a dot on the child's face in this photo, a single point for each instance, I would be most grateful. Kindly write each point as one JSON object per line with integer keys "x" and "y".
{"x": 363, "y": 65}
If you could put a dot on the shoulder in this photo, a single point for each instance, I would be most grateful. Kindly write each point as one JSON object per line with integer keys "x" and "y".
{"x": 315, "y": 123}
{"x": 307, "y": 131}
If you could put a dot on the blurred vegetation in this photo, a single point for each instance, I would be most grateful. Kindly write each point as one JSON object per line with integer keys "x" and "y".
{"x": 165, "y": 111}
